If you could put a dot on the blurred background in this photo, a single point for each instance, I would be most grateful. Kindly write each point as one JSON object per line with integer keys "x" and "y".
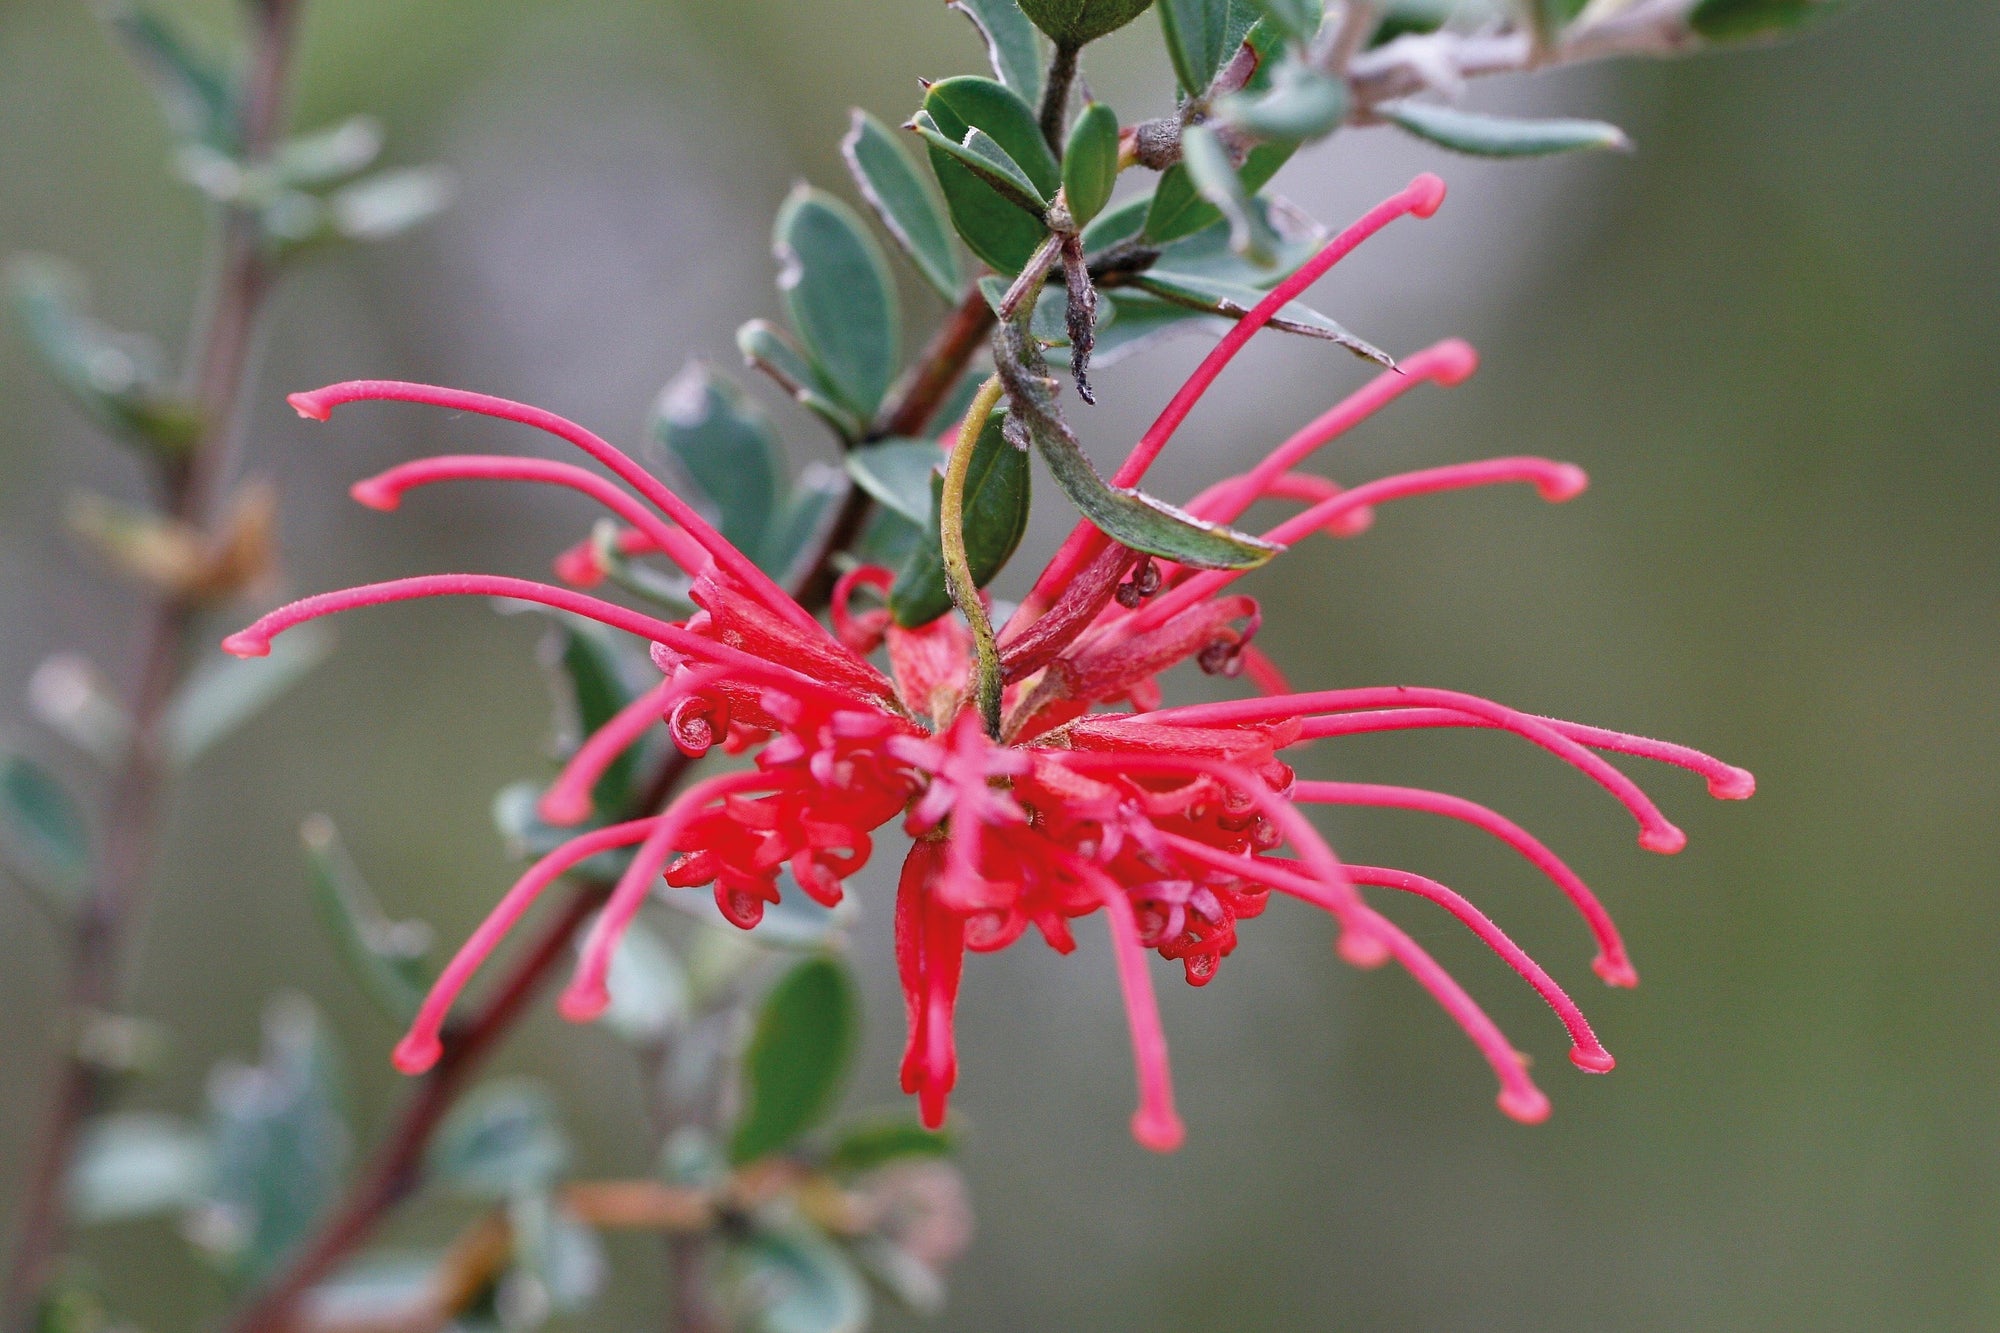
{"x": 1768, "y": 335}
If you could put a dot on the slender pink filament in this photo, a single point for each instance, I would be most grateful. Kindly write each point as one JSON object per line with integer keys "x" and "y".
{"x": 422, "y": 1046}
{"x": 319, "y": 404}
{"x": 568, "y": 799}
{"x": 1656, "y": 834}
{"x": 1726, "y": 782}
{"x": 1420, "y": 197}
{"x": 1611, "y": 963}
{"x": 1306, "y": 486}
{"x": 1447, "y": 363}
{"x": 1155, "y": 1124}
{"x": 588, "y": 994}
{"x": 255, "y": 640}
{"x": 385, "y": 492}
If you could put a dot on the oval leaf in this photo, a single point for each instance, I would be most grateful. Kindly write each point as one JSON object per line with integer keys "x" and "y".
{"x": 991, "y": 224}
{"x": 797, "y": 1058}
{"x": 501, "y": 1141}
{"x": 1499, "y": 136}
{"x": 1201, "y": 35}
{"x": 1075, "y": 22}
{"x": 794, "y": 1281}
{"x": 1090, "y": 162}
{"x": 1180, "y": 210}
{"x": 41, "y": 822}
{"x": 136, "y": 1164}
{"x": 889, "y": 181}
{"x": 766, "y": 347}
{"x": 872, "y": 1143}
{"x": 840, "y": 298}
{"x": 723, "y": 443}
{"x": 1215, "y": 177}
{"x": 996, "y": 515}
{"x": 898, "y": 474}
{"x": 1012, "y": 44}
{"x": 1232, "y": 302}
{"x": 1301, "y": 103}
{"x": 385, "y": 956}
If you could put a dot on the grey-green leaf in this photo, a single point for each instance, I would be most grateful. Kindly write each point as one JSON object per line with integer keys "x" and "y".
{"x": 42, "y": 824}
{"x": 501, "y": 1141}
{"x": 138, "y": 1163}
{"x": 839, "y": 296}
{"x": 648, "y": 987}
{"x": 865, "y": 1145}
{"x": 890, "y": 183}
{"x": 1075, "y": 22}
{"x": 994, "y": 226}
{"x": 720, "y": 441}
{"x": 197, "y": 92}
{"x": 594, "y": 675}
{"x": 526, "y": 834}
{"x": 226, "y": 692}
{"x": 387, "y": 957}
{"x": 792, "y": 1280}
{"x": 389, "y": 203}
{"x": 1202, "y": 35}
{"x": 897, "y": 473}
{"x": 328, "y": 155}
{"x": 1301, "y": 103}
{"x": 766, "y": 347}
{"x": 982, "y": 155}
{"x": 1090, "y": 162}
{"x": 996, "y": 516}
{"x": 1012, "y": 44}
{"x": 1298, "y": 20}
{"x": 1215, "y": 177}
{"x": 797, "y": 1058}
{"x": 1144, "y": 321}
{"x": 1232, "y": 302}
{"x": 1180, "y": 210}
{"x": 792, "y": 543}
{"x": 1499, "y": 136}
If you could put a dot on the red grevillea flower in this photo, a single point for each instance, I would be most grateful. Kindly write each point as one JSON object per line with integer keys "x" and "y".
{"x": 1176, "y": 823}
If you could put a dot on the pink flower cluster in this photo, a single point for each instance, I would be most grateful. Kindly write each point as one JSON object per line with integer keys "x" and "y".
{"x": 1176, "y": 823}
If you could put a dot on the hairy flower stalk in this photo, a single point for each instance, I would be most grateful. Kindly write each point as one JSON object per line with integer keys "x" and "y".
{"x": 1075, "y": 794}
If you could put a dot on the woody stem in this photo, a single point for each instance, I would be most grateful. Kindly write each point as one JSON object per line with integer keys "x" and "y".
{"x": 958, "y": 566}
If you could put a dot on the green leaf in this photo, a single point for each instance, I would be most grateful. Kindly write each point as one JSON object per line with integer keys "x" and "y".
{"x": 501, "y": 1142}
{"x": 1233, "y": 302}
{"x": 1121, "y": 224}
{"x": 982, "y": 155}
{"x": 722, "y": 443}
{"x": 897, "y": 473}
{"x": 1075, "y": 22}
{"x": 648, "y": 987}
{"x": 280, "y": 1144}
{"x": 385, "y": 956}
{"x": 42, "y": 824}
{"x": 766, "y": 347}
{"x": 119, "y": 379}
{"x": 872, "y": 1143}
{"x": 1127, "y": 516}
{"x": 995, "y": 227}
{"x": 1202, "y": 35}
{"x": 1731, "y": 20}
{"x": 1050, "y": 320}
{"x": 1301, "y": 103}
{"x": 1298, "y": 20}
{"x": 197, "y": 92}
{"x": 1144, "y": 321}
{"x": 791, "y": 1280}
{"x": 594, "y": 673}
{"x": 526, "y": 835}
{"x": 1206, "y": 254}
{"x": 1090, "y": 162}
{"x": 328, "y": 155}
{"x": 1403, "y": 17}
{"x": 839, "y": 296}
{"x": 890, "y": 183}
{"x": 797, "y": 1058}
{"x": 1214, "y": 175}
{"x": 390, "y": 203}
{"x": 1499, "y": 136}
{"x": 138, "y": 1163}
{"x": 996, "y": 515}
{"x": 558, "y": 1255}
{"x": 223, "y": 693}
{"x": 1178, "y": 207}
{"x": 382, "y": 1289}
{"x": 793, "y": 540}
{"x": 1012, "y": 44}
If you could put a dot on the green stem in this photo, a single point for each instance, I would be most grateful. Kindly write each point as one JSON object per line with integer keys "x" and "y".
{"x": 957, "y": 566}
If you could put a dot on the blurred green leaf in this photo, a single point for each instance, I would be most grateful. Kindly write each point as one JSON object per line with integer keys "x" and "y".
{"x": 891, "y": 184}
{"x": 280, "y": 1143}
{"x": 897, "y": 473}
{"x": 724, "y": 445}
{"x": 43, "y": 825}
{"x": 792, "y": 1072}
{"x": 766, "y": 347}
{"x": 1298, "y": 20}
{"x": 1121, "y": 224}
{"x": 872, "y": 1143}
{"x": 1075, "y": 22}
{"x": 389, "y": 203}
{"x": 70, "y": 696}
{"x": 1214, "y": 175}
{"x": 1499, "y": 136}
{"x": 223, "y": 693}
{"x": 794, "y": 1281}
{"x": 501, "y": 1142}
{"x": 996, "y": 228}
{"x": 1090, "y": 162}
{"x": 910, "y": 1281}
{"x": 1301, "y": 103}
{"x": 119, "y": 379}
{"x": 1730, "y": 20}
{"x": 378, "y": 1290}
{"x": 137, "y": 1163}
{"x": 526, "y": 835}
{"x": 840, "y": 297}
{"x": 1012, "y": 44}
{"x": 793, "y": 541}
{"x": 996, "y": 516}
{"x": 1232, "y": 302}
{"x": 1202, "y": 35}
{"x": 198, "y": 92}
{"x": 386, "y": 957}
{"x": 558, "y": 1254}
{"x": 594, "y": 673}
{"x": 649, "y": 989}
{"x": 328, "y": 155}
{"x": 1402, "y": 17}
{"x": 1206, "y": 254}
{"x": 1141, "y": 322}
{"x": 1180, "y": 210}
